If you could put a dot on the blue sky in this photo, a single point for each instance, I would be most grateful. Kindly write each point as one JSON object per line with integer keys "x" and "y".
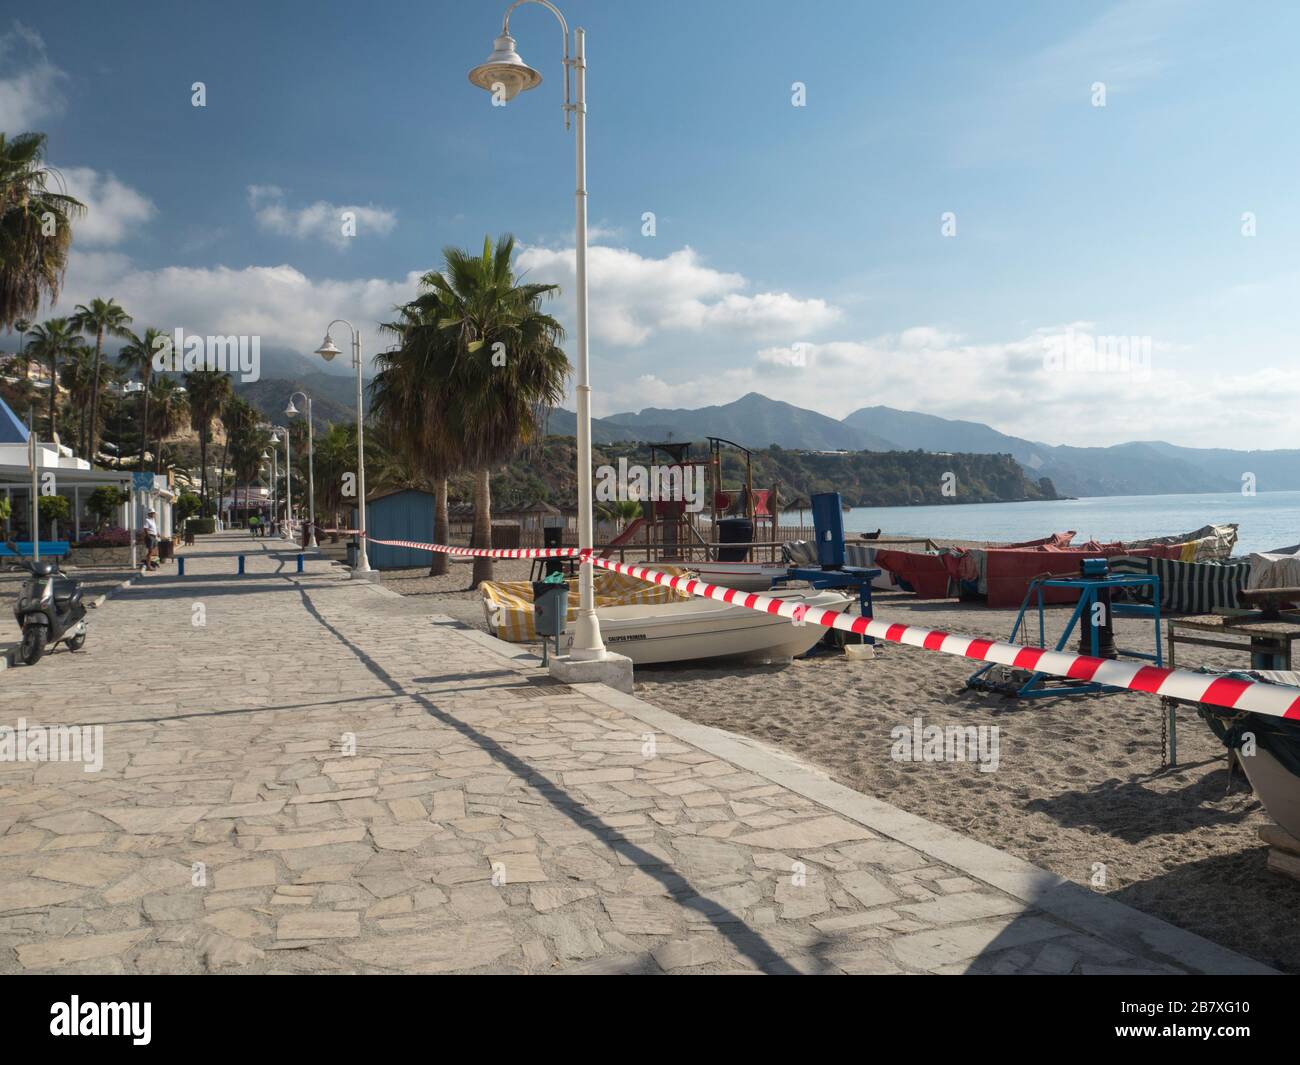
{"x": 798, "y": 250}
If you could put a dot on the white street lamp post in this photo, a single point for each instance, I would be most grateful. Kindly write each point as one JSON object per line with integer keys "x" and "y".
{"x": 290, "y": 411}
{"x": 505, "y": 73}
{"x": 288, "y": 485}
{"x": 327, "y": 351}
{"x": 288, "y": 480}
{"x": 261, "y": 469}
{"x": 275, "y": 479}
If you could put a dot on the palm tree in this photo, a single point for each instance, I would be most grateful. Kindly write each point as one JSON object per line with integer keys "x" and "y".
{"x": 505, "y": 364}
{"x": 35, "y": 228}
{"x": 77, "y": 374}
{"x": 170, "y": 409}
{"x": 100, "y": 318}
{"x": 336, "y": 456}
{"x": 404, "y": 395}
{"x": 247, "y": 439}
{"x": 619, "y": 511}
{"x": 138, "y": 356}
{"x": 495, "y": 398}
{"x": 235, "y": 415}
{"x": 208, "y": 391}
{"x": 21, "y": 326}
{"x": 53, "y": 342}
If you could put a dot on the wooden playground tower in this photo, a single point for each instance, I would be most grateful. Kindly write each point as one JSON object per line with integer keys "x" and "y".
{"x": 669, "y": 530}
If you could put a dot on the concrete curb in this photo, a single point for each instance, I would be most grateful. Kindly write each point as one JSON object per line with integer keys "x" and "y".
{"x": 1086, "y": 910}
{"x": 100, "y": 600}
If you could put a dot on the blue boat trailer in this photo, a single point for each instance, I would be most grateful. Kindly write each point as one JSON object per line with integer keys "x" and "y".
{"x": 1094, "y": 588}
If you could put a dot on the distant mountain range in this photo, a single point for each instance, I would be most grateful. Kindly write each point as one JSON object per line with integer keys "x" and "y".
{"x": 333, "y": 399}
{"x": 332, "y": 386}
{"x": 1136, "y": 468}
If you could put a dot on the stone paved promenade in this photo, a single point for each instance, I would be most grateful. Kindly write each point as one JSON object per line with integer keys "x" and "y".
{"x": 322, "y": 777}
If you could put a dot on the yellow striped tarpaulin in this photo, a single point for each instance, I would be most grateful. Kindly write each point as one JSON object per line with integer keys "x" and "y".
{"x": 509, "y": 604}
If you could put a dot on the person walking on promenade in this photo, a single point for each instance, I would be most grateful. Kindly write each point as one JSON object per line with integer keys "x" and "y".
{"x": 151, "y": 540}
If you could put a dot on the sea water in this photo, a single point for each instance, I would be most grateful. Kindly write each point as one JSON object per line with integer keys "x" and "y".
{"x": 1265, "y": 521}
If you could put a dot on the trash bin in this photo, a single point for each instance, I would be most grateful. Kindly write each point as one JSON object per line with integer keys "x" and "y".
{"x": 166, "y": 549}
{"x": 550, "y": 612}
{"x": 550, "y": 608}
{"x": 735, "y": 531}
{"x": 352, "y": 554}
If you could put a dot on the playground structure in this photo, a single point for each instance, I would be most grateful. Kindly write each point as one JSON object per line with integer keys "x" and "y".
{"x": 734, "y": 524}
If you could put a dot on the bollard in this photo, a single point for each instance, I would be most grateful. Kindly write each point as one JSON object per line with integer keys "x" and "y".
{"x": 241, "y": 565}
{"x": 299, "y": 561}
{"x": 180, "y": 566}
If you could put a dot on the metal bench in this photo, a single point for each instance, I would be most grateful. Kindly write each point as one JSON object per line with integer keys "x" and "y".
{"x": 49, "y": 549}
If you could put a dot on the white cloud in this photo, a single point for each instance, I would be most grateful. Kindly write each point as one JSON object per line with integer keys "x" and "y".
{"x": 30, "y": 88}
{"x": 634, "y": 297}
{"x": 319, "y": 220}
{"x": 1012, "y": 385}
{"x": 278, "y": 303}
{"x": 112, "y": 208}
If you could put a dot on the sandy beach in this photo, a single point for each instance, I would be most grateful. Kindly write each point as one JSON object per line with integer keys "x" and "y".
{"x": 1078, "y": 788}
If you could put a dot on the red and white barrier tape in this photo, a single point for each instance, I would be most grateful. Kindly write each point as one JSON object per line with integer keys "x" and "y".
{"x": 501, "y": 552}
{"x": 1275, "y": 700}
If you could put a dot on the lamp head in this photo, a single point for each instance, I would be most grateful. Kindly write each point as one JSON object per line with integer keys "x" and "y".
{"x": 290, "y": 410}
{"x": 505, "y": 68}
{"x": 327, "y": 349}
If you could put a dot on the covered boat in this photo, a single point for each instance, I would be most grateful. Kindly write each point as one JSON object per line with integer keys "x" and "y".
{"x": 1279, "y": 568}
{"x": 1187, "y": 587}
{"x": 1001, "y": 574}
{"x": 954, "y": 570}
{"x": 1209, "y": 543}
{"x": 924, "y": 574}
{"x": 1010, "y": 570}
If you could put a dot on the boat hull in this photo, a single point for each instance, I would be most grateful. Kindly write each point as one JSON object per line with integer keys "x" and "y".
{"x": 702, "y": 629}
{"x": 743, "y": 576}
{"x": 1277, "y": 787}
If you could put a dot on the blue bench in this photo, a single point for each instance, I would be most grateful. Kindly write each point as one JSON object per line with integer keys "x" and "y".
{"x": 49, "y": 549}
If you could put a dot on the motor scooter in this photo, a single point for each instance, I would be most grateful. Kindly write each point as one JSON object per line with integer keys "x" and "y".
{"x": 49, "y": 608}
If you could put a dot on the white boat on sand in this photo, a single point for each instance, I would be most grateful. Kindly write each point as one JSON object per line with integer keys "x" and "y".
{"x": 699, "y": 628}
{"x": 743, "y": 576}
